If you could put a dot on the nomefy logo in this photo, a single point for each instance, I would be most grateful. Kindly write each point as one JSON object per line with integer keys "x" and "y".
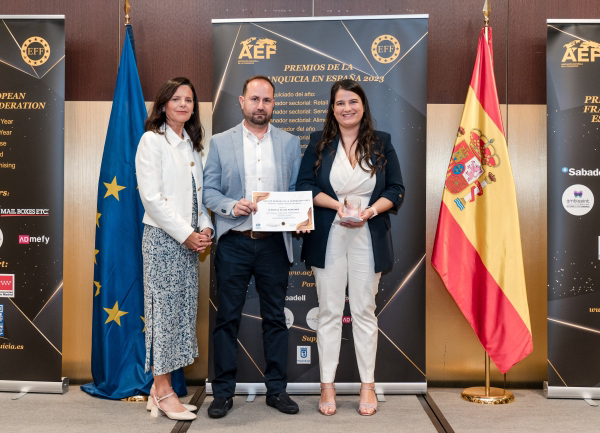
{"x": 385, "y": 49}
{"x": 254, "y": 49}
{"x": 35, "y": 51}
{"x": 579, "y": 52}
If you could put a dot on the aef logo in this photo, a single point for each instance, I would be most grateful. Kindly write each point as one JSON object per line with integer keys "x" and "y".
{"x": 263, "y": 48}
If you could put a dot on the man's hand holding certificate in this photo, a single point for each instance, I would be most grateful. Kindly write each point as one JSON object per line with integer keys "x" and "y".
{"x": 282, "y": 211}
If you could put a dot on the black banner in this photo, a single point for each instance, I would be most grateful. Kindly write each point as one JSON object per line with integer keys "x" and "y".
{"x": 32, "y": 89}
{"x": 573, "y": 89}
{"x": 304, "y": 57}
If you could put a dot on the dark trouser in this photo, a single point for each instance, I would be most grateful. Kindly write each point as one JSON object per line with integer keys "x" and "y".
{"x": 237, "y": 259}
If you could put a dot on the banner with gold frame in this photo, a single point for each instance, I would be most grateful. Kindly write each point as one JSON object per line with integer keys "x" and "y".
{"x": 573, "y": 98}
{"x": 387, "y": 55}
{"x": 32, "y": 99}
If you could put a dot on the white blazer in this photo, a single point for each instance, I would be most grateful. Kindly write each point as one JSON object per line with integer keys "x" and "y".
{"x": 164, "y": 166}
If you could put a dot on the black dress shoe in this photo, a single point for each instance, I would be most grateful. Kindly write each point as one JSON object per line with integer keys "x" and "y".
{"x": 283, "y": 403}
{"x": 219, "y": 407}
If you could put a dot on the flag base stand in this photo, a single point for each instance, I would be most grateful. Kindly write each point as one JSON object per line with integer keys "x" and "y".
{"x": 479, "y": 394}
{"x": 136, "y": 398}
{"x": 486, "y": 394}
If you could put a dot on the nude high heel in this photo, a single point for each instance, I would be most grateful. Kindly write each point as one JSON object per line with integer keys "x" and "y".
{"x": 324, "y": 406}
{"x": 367, "y": 406}
{"x": 186, "y": 415}
{"x": 150, "y": 403}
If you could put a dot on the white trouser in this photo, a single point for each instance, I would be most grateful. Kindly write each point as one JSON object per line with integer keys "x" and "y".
{"x": 348, "y": 261}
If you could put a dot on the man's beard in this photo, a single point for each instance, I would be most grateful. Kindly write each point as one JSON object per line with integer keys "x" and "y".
{"x": 253, "y": 118}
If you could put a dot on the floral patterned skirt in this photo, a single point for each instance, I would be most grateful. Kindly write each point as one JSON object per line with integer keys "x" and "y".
{"x": 170, "y": 299}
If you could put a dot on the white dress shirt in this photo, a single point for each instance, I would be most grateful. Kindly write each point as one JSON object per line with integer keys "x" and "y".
{"x": 259, "y": 167}
{"x": 165, "y": 164}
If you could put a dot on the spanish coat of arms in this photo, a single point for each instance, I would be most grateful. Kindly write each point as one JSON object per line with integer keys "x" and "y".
{"x": 466, "y": 176}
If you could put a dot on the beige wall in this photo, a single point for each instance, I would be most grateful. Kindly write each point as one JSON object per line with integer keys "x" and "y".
{"x": 453, "y": 353}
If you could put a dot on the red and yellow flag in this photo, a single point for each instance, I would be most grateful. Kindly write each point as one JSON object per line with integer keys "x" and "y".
{"x": 477, "y": 249}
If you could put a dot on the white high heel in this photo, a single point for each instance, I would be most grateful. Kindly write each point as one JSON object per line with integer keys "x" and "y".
{"x": 150, "y": 404}
{"x": 189, "y": 407}
{"x": 186, "y": 415}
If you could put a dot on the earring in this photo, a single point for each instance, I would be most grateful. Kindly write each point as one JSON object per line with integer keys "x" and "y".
{"x": 163, "y": 109}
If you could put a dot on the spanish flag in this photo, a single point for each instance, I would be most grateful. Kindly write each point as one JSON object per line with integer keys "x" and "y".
{"x": 477, "y": 249}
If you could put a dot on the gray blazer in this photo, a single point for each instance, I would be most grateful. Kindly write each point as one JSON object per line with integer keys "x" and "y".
{"x": 224, "y": 175}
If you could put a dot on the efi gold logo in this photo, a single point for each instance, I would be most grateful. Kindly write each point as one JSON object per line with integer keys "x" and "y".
{"x": 578, "y": 52}
{"x": 35, "y": 51}
{"x": 385, "y": 49}
{"x": 255, "y": 49}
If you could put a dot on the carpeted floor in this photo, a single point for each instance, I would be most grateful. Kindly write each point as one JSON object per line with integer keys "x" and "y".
{"x": 530, "y": 412}
{"x": 397, "y": 414}
{"x": 76, "y": 412}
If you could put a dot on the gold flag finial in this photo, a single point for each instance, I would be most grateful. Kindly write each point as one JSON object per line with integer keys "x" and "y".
{"x": 487, "y": 10}
{"x": 127, "y": 8}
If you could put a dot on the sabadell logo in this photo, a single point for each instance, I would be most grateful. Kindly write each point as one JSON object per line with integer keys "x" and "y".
{"x": 581, "y": 171}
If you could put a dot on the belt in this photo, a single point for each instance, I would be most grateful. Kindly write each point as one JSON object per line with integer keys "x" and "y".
{"x": 252, "y": 234}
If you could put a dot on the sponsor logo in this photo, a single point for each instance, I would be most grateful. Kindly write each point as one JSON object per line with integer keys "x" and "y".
{"x": 23, "y": 212}
{"x": 581, "y": 171}
{"x": 346, "y": 320}
{"x": 35, "y": 51}
{"x": 578, "y": 52}
{"x": 312, "y": 318}
{"x": 309, "y": 339}
{"x": 26, "y": 239}
{"x": 1, "y": 238}
{"x": 578, "y": 200}
{"x": 385, "y": 49}
{"x": 303, "y": 355}
{"x": 289, "y": 317}
{"x": 255, "y": 49}
{"x": 7, "y": 285}
{"x": 296, "y": 298}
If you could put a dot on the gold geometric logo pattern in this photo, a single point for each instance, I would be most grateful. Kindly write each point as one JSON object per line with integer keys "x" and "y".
{"x": 37, "y": 48}
{"x": 385, "y": 44}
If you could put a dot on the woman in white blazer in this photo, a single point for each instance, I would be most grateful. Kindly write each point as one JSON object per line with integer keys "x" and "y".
{"x": 176, "y": 227}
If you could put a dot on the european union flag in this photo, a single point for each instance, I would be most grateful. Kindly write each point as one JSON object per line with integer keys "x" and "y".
{"x": 118, "y": 333}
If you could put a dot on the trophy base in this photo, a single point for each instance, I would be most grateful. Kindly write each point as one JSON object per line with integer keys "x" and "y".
{"x": 477, "y": 395}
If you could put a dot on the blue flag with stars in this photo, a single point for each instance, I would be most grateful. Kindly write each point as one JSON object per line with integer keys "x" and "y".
{"x": 118, "y": 332}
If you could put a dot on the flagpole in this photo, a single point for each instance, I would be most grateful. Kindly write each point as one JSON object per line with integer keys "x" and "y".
{"x": 133, "y": 398}
{"x": 127, "y": 8}
{"x": 487, "y": 394}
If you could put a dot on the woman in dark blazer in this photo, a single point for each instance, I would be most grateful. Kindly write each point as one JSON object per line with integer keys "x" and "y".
{"x": 349, "y": 159}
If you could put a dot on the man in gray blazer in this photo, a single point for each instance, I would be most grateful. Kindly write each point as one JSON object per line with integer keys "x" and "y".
{"x": 252, "y": 156}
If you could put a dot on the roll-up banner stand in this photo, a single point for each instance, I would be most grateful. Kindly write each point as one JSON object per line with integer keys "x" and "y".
{"x": 387, "y": 55}
{"x": 573, "y": 95}
{"x": 32, "y": 113}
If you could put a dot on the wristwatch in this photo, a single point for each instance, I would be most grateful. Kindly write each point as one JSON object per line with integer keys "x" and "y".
{"x": 374, "y": 211}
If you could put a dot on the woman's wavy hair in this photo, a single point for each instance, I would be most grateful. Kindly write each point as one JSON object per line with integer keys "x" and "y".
{"x": 158, "y": 116}
{"x": 366, "y": 141}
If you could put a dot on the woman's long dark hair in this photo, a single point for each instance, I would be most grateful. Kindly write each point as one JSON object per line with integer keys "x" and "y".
{"x": 158, "y": 116}
{"x": 366, "y": 141}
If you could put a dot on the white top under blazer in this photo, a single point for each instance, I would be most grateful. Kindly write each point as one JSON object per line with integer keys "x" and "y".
{"x": 347, "y": 181}
{"x": 164, "y": 166}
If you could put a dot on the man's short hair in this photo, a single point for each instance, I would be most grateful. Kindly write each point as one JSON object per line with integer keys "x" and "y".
{"x": 257, "y": 77}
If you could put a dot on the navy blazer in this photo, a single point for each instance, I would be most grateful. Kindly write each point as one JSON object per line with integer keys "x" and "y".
{"x": 388, "y": 184}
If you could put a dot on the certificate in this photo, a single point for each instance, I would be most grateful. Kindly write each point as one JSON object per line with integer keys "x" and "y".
{"x": 280, "y": 211}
